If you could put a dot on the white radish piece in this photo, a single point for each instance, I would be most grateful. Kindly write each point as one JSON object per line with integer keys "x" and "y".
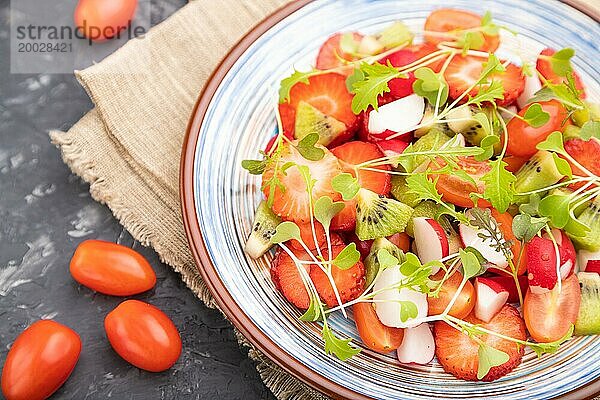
{"x": 491, "y": 297}
{"x": 430, "y": 240}
{"x": 470, "y": 237}
{"x": 400, "y": 116}
{"x": 532, "y": 85}
{"x": 387, "y": 303}
{"x": 418, "y": 345}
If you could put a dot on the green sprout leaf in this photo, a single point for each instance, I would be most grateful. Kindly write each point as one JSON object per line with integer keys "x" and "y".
{"x": 532, "y": 207}
{"x": 306, "y": 147}
{"x": 396, "y": 35}
{"x": 489, "y": 357}
{"x": 488, "y": 26}
{"x": 590, "y": 129}
{"x": 290, "y": 81}
{"x": 386, "y": 259}
{"x": 552, "y": 347}
{"x": 347, "y": 257}
{"x": 346, "y": 185}
{"x": 286, "y": 231}
{"x": 410, "y": 265}
{"x": 556, "y": 208}
{"x": 535, "y": 116}
{"x": 428, "y": 84}
{"x": 470, "y": 263}
{"x": 326, "y": 209}
{"x": 499, "y": 185}
{"x": 357, "y": 76}
{"x": 348, "y": 44}
{"x": 525, "y": 227}
{"x": 488, "y": 144}
{"x": 255, "y": 167}
{"x": 339, "y": 347}
{"x": 562, "y": 166}
{"x": 313, "y": 313}
{"x": 470, "y": 40}
{"x": 493, "y": 91}
{"x": 554, "y": 142}
{"x": 423, "y": 188}
{"x": 408, "y": 310}
{"x": 374, "y": 84}
{"x": 561, "y": 61}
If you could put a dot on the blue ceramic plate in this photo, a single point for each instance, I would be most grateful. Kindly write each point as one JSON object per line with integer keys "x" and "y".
{"x": 234, "y": 118}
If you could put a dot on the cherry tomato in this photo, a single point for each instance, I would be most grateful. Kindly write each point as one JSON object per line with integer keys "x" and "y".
{"x": 111, "y": 269}
{"x": 40, "y": 361}
{"x": 143, "y": 335}
{"x": 456, "y": 190}
{"x": 375, "y": 335}
{"x": 549, "y": 316}
{"x": 104, "y": 19}
{"x": 504, "y": 221}
{"x": 522, "y": 137}
{"x": 448, "y": 19}
{"x": 464, "y": 302}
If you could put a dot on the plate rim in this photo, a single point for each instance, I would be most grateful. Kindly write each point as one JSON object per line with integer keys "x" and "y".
{"x": 195, "y": 238}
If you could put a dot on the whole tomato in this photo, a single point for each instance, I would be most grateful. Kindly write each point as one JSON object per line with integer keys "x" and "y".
{"x": 104, "y": 19}
{"x": 143, "y": 335}
{"x": 40, "y": 361}
{"x": 111, "y": 269}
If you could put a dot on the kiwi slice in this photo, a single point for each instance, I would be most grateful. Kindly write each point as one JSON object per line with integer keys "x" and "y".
{"x": 470, "y": 128}
{"x": 590, "y": 217}
{"x": 378, "y": 216}
{"x": 538, "y": 172}
{"x": 402, "y": 193}
{"x": 428, "y": 115}
{"x": 265, "y": 222}
{"x": 426, "y": 209}
{"x": 588, "y": 320}
{"x": 311, "y": 120}
{"x": 372, "y": 263}
{"x": 433, "y": 140}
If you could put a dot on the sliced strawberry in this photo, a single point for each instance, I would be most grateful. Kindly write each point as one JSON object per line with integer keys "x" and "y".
{"x": 306, "y": 234}
{"x": 458, "y": 353}
{"x": 331, "y": 52}
{"x": 269, "y": 147}
{"x": 327, "y": 93}
{"x": 424, "y": 49}
{"x": 462, "y": 72}
{"x": 291, "y": 201}
{"x": 401, "y": 87}
{"x": 287, "y": 280}
{"x": 351, "y": 154}
{"x": 586, "y": 154}
{"x": 349, "y": 282}
{"x": 544, "y": 66}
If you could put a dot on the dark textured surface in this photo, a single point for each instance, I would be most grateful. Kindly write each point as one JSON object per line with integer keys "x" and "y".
{"x": 45, "y": 212}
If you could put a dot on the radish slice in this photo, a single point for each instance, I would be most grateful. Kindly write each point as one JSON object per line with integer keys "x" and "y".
{"x": 400, "y": 116}
{"x": 491, "y": 297}
{"x": 532, "y": 85}
{"x": 430, "y": 240}
{"x": 470, "y": 237}
{"x": 418, "y": 346}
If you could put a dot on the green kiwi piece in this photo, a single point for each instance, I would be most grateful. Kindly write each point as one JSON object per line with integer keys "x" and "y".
{"x": 538, "y": 172}
{"x": 378, "y": 216}
{"x": 440, "y": 126}
{"x": 470, "y": 128}
{"x": 310, "y": 120}
{"x": 588, "y": 320}
{"x": 590, "y": 217}
{"x": 591, "y": 112}
{"x": 265, "y": 222}
{"x": 372, "y": 263}
{"x": 433, "y": 140}
{"x": 402, "y": 193}
{"x": 426, "y": 209}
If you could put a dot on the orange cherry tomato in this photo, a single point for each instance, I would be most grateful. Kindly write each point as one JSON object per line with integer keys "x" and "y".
{"x": 504, "y": 221}
{"x": 375, "y": 335}
{"x": 549, "y": 316}
{"x": 104, "y": 19}
{"x": 449, "y": 20}
{"x": 40, "y": 361}
{"x": 111, "y": 269}
{"x": 143, "y": 335}
{"x": 523, "y": 138}
{"x": 456, "y": 190}
{"x": 464, "y": 302}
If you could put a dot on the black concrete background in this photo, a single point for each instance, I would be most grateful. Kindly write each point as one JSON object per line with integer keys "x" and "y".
{"x": 45, "y": 212}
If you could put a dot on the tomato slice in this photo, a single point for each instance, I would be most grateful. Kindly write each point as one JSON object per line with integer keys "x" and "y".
{"x": 464, "y": 302}
{"x": 449, "y": 20}
{"x": 375, "y": 335}
{"x": 504, "y": 221}
{"x": 456, "y": 190}
{"x": 549, "y": 316}
{"x": 523, "y": 138}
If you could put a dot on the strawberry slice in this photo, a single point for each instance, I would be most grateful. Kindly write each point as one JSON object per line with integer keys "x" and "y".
{"x": 287, "y": 280}
{"x": 457, "y": 352}
{"x": 328, "y": 94}
{"x": 349, "y": 282}
{"x": 544, "y": 66}
{"x": 424, "y": 49}
{"x": 331, "y": 52}
{"x": 586, "y": 154}
{"x": 290, "y": 201}
{"x": 401, "y": 87}
{"x": 351, "y": 154}
{"x": 306, "y": 234}
{"x": 462, "y": 72}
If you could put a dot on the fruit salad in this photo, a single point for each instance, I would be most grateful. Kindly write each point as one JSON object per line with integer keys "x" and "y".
{"x": 439, "y": 193}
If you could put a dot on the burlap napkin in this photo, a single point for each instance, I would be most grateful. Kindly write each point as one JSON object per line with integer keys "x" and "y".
{"x": 128, "y": 147}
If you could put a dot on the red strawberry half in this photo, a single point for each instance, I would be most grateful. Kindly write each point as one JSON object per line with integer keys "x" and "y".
{"x": 331, "y": 52}
{"x": 287, "y": 280}
{"x": 462, "y": 72}
{"x": 401, "y": 87}
{"x": 349, "y": 282}
{"x": 351, "y": 154}
{"x": 541, "y": 265}
{"x": 458, "y": 353}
